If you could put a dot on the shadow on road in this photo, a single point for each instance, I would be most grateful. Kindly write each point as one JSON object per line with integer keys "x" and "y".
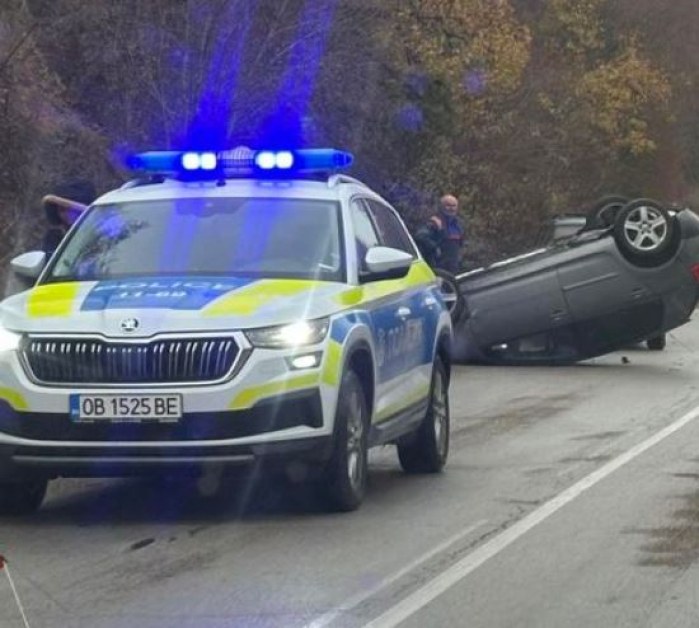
{"x": 245, "y": 495}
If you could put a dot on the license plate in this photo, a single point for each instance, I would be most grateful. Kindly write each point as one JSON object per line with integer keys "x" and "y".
{"x": 164, "y": 408}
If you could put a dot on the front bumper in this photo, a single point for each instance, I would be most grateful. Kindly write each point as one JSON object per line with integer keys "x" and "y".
{"x": 285, "y": 428}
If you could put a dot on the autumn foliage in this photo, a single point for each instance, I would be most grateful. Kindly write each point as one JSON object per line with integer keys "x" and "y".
{"x": 523, "y": 108}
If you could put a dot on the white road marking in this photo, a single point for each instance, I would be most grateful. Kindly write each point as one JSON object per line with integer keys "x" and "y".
{"x": 457, "y": 572}
{"x": 356, "y": 600}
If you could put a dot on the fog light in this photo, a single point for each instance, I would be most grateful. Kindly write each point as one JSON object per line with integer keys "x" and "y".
{"x": 308, "y": 361}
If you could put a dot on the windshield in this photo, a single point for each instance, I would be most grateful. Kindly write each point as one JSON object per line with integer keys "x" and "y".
{"x": 254, "y": 237}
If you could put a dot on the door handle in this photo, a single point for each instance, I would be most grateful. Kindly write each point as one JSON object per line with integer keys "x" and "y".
{"x": 403, "y": 312}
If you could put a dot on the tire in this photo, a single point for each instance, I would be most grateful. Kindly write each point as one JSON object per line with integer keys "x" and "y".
{"x": 344, "y": 479}
{"x": 23, "y": 497}
{"x": 604, "y": 211}
{"x": 427, "y": 449}
{"x": 645, "y": 233}
{"x": 453, "y": 297}
{"x": 656, "y": 343}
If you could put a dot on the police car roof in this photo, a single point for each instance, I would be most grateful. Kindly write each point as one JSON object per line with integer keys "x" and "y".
{"x": 169, "y": 189}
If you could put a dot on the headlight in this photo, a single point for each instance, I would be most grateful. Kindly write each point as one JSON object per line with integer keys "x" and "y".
{"x": 9, "y": 340}
{"x": 296, "y": 334}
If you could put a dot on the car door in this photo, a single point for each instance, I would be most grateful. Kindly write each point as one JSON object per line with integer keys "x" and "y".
{"x": 405, "y": 324}
{"x": 516, "y": 299}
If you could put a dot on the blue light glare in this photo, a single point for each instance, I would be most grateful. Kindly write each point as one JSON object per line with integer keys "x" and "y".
{"x": 208, "y": 161}
{"x": 191, "y": 161}
{"x": 199, "y": 161}
{"x": 265, "y": 160}
{"x": 285, "y": 160}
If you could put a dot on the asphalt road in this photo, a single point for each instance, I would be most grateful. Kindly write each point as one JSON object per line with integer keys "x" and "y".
{"x": 571, "y": 498}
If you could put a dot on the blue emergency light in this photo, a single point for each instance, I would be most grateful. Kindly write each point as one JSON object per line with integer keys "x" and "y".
{"x": 199, "y": 161}
{"x": 241, "y": 161}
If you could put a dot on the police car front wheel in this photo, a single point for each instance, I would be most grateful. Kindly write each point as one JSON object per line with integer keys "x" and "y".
{"x": 426, "y": 450}
{"x": 21, "y": 497}
{"x": 345, "y": 477}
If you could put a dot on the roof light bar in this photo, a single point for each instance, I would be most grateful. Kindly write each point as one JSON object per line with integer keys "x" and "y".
{"x": 265, "y": 160}
{"x": 268, "y": 160}
{"x": 285, "y": 160}
{"x": 241, "y": 161}
{"x": 191, "y": 161}
{"x": 159, "y": 162}
{"x": 199, "y": 161}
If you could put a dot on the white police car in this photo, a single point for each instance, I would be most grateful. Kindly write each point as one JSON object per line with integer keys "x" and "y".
{"x": 225, "y": 308}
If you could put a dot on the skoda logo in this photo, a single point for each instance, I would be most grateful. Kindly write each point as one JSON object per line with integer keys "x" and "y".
{"x": 129, "y": 324}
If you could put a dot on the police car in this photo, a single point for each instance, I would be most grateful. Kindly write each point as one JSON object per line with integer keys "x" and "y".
{"x": 225, "y": 308}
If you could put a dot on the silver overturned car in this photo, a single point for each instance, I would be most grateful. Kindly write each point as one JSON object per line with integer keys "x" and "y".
{"x": 626, "y": 273}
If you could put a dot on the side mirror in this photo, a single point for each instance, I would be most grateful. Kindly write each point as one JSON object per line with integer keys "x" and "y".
{"x": 29, "y": 265}
{"x": 384, "y": 262}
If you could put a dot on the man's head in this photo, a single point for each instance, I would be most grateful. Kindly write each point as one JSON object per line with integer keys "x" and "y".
{"x": 450, "y": 204}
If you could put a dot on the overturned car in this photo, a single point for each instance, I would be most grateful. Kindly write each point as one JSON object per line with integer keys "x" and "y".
{"x": 628, "y": 273}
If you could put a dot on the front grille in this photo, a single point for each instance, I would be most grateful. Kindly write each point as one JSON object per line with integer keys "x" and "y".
{"x": 92, "y": 361}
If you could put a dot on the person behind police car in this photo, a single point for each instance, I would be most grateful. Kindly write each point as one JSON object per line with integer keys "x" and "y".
{"x": 63, "y": 209}
{"x": 441, "y": 239}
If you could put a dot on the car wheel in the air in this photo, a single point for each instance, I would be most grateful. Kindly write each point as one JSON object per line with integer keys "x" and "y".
{"x": 604, "y": 211}
{"x": 646, "y": 233}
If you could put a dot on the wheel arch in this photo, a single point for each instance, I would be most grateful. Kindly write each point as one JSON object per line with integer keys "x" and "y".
{"x": 360, "y": 360}
{"x": 444, "y": 351}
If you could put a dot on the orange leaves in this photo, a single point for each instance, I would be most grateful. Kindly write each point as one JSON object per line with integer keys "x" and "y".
{"x": 455, "y": 39}
{"x": 618, "y": 96}
{"x": 574, "y": 27}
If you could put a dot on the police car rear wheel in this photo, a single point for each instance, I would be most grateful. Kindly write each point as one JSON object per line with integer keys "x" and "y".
{"x": 427, "y": 449}
{"x": 344, "y": 481}
{"x": 22, "y": 497}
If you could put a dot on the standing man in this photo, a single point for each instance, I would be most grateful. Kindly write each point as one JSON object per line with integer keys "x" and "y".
{"x": 441, "y": 240}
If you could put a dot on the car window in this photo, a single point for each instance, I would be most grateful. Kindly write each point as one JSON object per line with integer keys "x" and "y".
{"x": 391, "y": 230}
{"x": 255, "y": 237}
{"x": 364, "y": 231}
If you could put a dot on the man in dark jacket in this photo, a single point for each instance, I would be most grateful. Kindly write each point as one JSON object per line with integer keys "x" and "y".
{"x": 441, "y": 240}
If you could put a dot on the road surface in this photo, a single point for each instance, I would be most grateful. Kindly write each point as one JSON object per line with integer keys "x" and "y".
{"x": 571, "y": 498}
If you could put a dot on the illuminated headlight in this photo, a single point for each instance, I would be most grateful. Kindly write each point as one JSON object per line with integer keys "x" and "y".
{"x": 297, "y": 334}
{"x": 9, "y": 341}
